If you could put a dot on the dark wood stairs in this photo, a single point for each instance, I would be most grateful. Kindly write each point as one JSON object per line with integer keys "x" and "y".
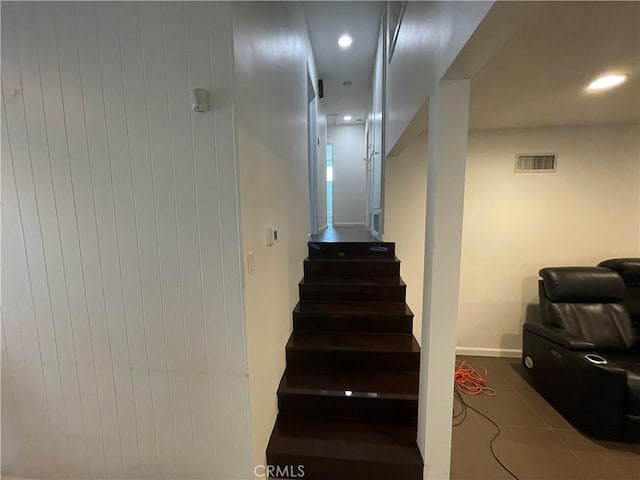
{"x": 348, "y": 399}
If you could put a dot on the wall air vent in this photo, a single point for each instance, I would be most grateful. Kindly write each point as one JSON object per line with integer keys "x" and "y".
{"x": 536, "y": 162}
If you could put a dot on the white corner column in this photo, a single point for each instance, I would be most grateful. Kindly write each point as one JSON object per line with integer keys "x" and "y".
{"x": 448, "y": 125}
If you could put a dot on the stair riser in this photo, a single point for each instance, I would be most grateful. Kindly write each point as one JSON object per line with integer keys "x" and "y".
{"x": 373, "y": 410}
{"x": 352, "y": 293}
{"x": 317, "y": 269}
{"x": 333, "y": 469}
{"x": 352, "y": 250}
{"x": 355, "y": 361}
{"x": 305, "y": 323}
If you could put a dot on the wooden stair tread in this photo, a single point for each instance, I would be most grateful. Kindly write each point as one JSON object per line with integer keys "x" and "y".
{"x": 392, "y": 385}
{"x": 367, "y": 317}
{"x": 354, "y": 341}
{"x": 354, "y": 281}
{"x": 395, "y": 444}
{"x": 354, "y": 259}
{"x": 352, "y": 243}
{"x": 351, "y": 249}
{"x": 352, "y": 308}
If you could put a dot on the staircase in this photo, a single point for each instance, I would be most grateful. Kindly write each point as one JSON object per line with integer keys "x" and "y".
{"x": 348, "y": 399}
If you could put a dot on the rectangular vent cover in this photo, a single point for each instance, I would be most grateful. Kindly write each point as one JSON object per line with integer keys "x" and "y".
{"x": 536, "y": 162}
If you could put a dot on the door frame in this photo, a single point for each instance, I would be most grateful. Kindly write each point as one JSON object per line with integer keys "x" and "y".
{"x": 312, "y": 140}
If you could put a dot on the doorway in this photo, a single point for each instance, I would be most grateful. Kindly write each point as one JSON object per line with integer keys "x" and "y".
{"x": 375, "y": 141}
{"x": 329, "y": 184}
{"x": 313, "y": 141}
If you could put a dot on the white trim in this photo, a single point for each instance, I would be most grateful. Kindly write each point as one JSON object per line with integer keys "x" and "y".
{"x": 348, "y": 224}
{"x": 490, "y": 352}
{"x": 312, "y": 147}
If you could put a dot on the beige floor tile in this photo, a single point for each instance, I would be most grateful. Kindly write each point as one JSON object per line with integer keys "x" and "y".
{"x": 606, "y": 460}
{"x": 550, "y": 416}
{"x": 506, "y": 408}
{"x": 537, "y": 454}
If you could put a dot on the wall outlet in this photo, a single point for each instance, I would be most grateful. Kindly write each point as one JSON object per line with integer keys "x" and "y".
{"x": 272, "y": 235}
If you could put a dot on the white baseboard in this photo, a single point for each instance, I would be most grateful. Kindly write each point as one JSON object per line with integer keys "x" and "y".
{"x": 490, "y": 352}
{"x": 348, "y": 224}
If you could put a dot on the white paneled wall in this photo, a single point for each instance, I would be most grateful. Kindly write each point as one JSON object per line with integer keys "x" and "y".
{"x": 122, "y": 317}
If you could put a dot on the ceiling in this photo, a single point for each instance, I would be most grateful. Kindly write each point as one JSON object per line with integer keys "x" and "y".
{"x": 538, "y": 78}
{"x": 327, "y": 21}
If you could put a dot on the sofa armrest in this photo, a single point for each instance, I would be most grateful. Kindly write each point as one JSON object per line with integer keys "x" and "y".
{"x": 559, "y": 337}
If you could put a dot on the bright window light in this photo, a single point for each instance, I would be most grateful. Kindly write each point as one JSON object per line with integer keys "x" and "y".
{"x": 347, "y": 118}
{"x": 607, "y": 81}
{"x": 344, "y": 41}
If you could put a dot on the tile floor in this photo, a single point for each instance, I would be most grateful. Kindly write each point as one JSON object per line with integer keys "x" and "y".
{"x": 536, "y": 441}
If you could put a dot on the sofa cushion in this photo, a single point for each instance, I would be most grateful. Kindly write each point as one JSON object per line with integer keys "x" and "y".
{"x": 606, "y": 325}
{"x": 628, "y": 268}
{"x": 582, "y": 284}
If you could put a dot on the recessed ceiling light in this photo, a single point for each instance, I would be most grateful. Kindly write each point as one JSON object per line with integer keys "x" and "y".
{"x": 347, "y": 118}
{"x": 607, "y": 81}
{"x": 344, "y": 41}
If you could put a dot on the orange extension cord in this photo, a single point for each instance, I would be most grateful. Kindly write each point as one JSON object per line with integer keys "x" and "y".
{"x": 470, "y": 381}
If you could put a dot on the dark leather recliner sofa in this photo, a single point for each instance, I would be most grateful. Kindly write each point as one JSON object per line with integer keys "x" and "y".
{"x": 584, "y": 354}
{"x": 629, "y": 270}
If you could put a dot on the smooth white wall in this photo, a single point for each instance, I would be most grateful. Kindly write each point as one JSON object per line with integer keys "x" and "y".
{"x": 517, "y": 223}
{"x": 589, "y": 206}
{"x": 123, "y": 333}
{"x": 431, "y": 36}
{"x": 405, "y": 191}
{"x": 349, "y": 171}
{"x": 272, "y": 49}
